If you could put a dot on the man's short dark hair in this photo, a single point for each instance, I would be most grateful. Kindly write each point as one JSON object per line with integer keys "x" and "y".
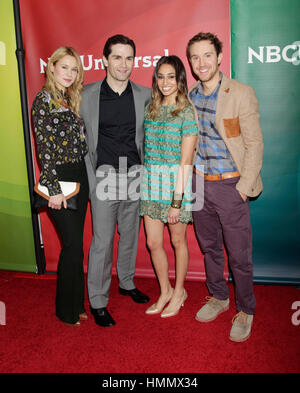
{"x": 205, "y": 37}
{"x": 117, "y": 39}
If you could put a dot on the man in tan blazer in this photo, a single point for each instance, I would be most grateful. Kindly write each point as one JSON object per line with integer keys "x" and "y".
{"x": 229, "y": 157}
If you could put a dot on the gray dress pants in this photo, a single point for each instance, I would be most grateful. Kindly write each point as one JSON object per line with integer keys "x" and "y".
{"x": 119, "y": 211}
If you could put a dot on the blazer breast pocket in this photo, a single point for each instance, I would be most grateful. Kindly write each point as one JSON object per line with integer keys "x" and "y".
{"x": 232, "y": 127}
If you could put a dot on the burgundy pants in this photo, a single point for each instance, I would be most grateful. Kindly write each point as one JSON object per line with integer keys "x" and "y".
{"x": 225, "y": 217}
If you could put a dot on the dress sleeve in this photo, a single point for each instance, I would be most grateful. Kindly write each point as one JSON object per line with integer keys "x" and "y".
{"x": 45, "y": 130}
{"x": 189, "y": 124}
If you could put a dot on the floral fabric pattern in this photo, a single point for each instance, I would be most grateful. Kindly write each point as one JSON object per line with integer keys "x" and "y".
{"x": 59, "y": 135}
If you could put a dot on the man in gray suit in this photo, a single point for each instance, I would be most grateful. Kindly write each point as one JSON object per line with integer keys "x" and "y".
{"x": 113, "y": 112}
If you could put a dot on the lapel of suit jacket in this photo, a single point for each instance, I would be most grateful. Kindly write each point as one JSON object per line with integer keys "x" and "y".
{"x": 139, "y": 113}
{"x": 93, "y": 106}
{"x": 222, "y": 96}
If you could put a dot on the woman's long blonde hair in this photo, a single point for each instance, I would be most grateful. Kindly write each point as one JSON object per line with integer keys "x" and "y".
{"x": 182, "y": 94}
{"x": 73, "y": 92}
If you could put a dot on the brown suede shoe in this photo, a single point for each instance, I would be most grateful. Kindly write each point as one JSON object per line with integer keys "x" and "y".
{"x": 212, "y": 309}
{"x": 241, "y": 327}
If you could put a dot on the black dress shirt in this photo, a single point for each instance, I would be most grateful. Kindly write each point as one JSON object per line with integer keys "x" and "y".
{"x": 117, "y": 127}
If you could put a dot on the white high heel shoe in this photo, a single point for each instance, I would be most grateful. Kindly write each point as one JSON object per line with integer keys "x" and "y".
{"x": 154, "y": 310}
{"x": 170, "y": 313}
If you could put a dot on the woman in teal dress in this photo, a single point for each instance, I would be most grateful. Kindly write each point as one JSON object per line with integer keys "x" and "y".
{"x": 171, "y": 133}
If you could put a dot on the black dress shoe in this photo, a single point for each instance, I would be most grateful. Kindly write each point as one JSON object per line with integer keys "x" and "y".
{"x": 135, "y": 294}
{"x": 102, "y": 317}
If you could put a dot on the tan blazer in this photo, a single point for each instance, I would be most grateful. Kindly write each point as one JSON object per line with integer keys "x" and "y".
{"x": 237, "y": 120}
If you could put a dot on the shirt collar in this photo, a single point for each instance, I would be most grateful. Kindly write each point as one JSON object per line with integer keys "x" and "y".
{"x": 199, "y": 89}
{"x": 109, "y": 90}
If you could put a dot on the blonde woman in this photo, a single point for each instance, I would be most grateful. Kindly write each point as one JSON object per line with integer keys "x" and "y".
{"x": 61, "y": 149}
{"x": 170, "y": 136}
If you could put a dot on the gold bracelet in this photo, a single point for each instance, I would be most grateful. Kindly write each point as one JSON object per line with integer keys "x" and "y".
{"x": 176, "y": 203}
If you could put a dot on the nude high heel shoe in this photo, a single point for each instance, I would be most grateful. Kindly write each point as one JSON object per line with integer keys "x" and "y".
{"x": 154, "y": 310}
{"x": 170, "y": 313}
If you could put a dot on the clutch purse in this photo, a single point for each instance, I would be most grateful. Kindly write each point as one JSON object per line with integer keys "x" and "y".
{"x": 69, "y": 189}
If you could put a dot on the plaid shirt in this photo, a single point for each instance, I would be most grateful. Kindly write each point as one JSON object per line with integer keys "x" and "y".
{"x": 213, "y": 156}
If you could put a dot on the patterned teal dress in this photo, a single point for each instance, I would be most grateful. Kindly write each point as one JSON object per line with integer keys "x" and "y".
{"x": 162, "y": 158}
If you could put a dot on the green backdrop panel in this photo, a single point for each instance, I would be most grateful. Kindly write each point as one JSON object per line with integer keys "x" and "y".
{"x": 265, "y": 38}
{"x": 16, "y": 233}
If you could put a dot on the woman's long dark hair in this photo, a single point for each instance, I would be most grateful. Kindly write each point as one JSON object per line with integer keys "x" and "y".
{"x": 182, "y": 94}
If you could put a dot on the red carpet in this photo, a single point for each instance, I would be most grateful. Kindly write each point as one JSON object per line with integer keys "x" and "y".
{"x": 33, "y": 340}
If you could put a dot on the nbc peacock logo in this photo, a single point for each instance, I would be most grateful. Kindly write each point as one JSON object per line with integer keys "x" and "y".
{"x": 2, "y": 53}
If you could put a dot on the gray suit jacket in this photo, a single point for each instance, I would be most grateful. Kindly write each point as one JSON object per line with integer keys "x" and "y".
{"x": 89, "y": 111}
